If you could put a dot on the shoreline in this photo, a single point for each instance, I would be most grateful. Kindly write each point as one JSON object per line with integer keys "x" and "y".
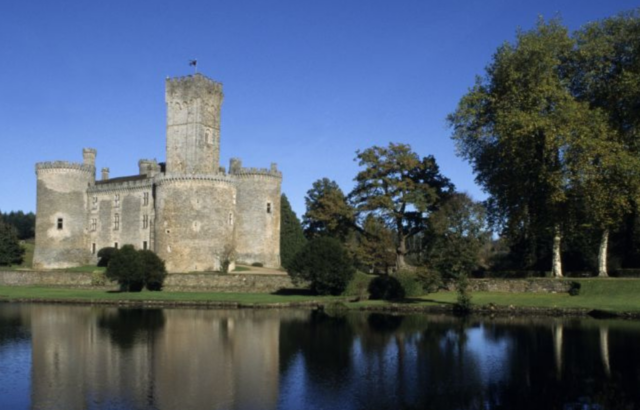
{"x": 346, "y": 304}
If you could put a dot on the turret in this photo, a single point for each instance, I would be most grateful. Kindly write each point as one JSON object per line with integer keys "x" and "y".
{"x": 193, "y": 125}
{"x": 61, "y": 212}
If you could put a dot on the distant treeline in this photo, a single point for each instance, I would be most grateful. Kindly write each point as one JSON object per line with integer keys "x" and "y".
{"x": 25, "y": 224}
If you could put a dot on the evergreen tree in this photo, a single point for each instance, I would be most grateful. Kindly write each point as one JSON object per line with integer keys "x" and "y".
{"x": 328, "y": 211}
{"x": 291, "y": 235}
{"x": 10, "y": 250}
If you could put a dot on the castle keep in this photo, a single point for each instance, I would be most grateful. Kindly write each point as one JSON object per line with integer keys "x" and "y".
{"x": 190, "y": 211}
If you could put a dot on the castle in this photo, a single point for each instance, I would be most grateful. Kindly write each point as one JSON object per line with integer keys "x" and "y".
{"x": 191, "y": 212}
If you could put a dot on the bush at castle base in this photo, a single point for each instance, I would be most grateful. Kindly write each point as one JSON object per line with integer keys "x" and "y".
{"x": 154, "y": 270}
{"x": 127, "y": 269}
{"x": 105, "y": 255}
{"x": 325, "y": 264}
{"x": 134, "y": 270}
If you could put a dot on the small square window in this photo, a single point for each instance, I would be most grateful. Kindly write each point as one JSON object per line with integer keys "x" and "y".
{"x": 144, "y": 245}
{"x": 268, "y": 207}
{"x": 60, "y": 223}
{"x": 93, "y": 248}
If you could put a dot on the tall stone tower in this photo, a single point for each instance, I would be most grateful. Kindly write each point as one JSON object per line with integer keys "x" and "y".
{"x": 193, "y": 125}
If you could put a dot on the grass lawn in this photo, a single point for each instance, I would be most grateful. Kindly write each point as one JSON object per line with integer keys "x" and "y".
{"x": 605, "y": 294}
{"x": 617, "y": 295}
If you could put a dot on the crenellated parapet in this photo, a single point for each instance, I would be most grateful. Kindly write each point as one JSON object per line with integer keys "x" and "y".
{"x": 64, "y": 166}
{"x": 192, "y": 87}
{"x": 236, "y": 169}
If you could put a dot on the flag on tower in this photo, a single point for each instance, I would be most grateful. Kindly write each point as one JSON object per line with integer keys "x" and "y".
{"x": 193, "y": 63}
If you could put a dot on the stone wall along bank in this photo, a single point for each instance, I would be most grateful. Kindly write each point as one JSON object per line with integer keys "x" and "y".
{"x": 191, "y": 282}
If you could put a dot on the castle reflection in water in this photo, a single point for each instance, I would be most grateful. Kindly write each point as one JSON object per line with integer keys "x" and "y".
{"x": 154, "y": 357}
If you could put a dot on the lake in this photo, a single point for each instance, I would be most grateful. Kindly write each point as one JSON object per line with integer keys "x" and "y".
{"x": 96, "y": 357}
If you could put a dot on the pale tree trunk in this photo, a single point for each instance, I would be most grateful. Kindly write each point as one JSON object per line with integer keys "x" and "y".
{"x": 602, "y": 254}
{"x": 556, "y": 263}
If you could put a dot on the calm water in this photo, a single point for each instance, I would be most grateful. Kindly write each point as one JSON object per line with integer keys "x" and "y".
{"x": 69, "y": 357}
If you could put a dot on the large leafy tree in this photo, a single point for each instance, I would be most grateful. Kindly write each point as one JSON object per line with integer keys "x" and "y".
{"x": 605, "y": 73}
{"x": 519, "y": 126}
{"x": 328, "y": 211}
{"x": 376, "y": 249}
{"x": 400, "y": 188}
{"x": 10, "y": 250}
{"x": 291, "y": 235}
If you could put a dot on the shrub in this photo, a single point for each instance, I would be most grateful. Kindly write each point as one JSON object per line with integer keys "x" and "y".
{"x": 358, "y": 286}
{"x": 127, "y": 269}
{"x": 410, "y": 284}
{"x": 105, "y": 255}
{"x": 430, "y": 279}
{"x": 325, "y": 264}
{"x": 154, "y": 270}
{"x": 463, "y": 305}
{"x": 257, "y": 264}
{"x": 386, "y": 287}
{"x": 574, "y": 288}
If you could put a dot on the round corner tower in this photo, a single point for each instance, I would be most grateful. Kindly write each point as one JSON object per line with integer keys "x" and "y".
{"x": 193, "y": 125}
{"x": 61, "y": 212}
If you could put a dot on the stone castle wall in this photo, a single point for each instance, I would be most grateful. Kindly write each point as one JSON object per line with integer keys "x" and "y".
{"x": 195, "y": 220}
{"x": 258, "y": 209}
{"x": 61, "y": 214}
{"x": 120, "y": 213}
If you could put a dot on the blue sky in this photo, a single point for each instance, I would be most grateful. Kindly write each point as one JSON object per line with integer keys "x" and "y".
{"x": 307, "y": 83}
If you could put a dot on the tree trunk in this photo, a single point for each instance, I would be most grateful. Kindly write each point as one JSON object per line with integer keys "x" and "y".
{"x": 556, "y": 263}
{"x": 602, "y": 254}
{"x": 402, "y": 247}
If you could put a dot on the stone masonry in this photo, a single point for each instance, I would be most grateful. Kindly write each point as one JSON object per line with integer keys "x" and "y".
{"x": 190, "y": 211}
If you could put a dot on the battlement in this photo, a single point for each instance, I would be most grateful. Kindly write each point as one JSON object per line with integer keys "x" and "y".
{"x": 178, "y": 178}
{"x": 192, "y": 86}
{"x": 65, "y": 165}
{"x": 236, "y": 168}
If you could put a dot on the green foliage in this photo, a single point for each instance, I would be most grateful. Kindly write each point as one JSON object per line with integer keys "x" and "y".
{"x": 574, "y": 289}
{"x": 134, "y": 270}
{"x": 358, "y": 286}
{"x": 375, "y": 250}
{"x": 154, "y": 269}
{"x": 456, "y": 236}
{"x": 126, "y": 268}
{"x": 430, "y": 279}
{"x": 323, "y": 262}
{"x": 105, "y": 255}
{"x": 292, "y": 238}
{"x": 410, "y": 284}
{"x": 328, "y": 211}
{"x": 25, "y": 224}
{"x": 385, "y": 287}
{"x": 11, "y": 253}
{"x": 463, "y": 304}
{"x": 257, "y": 264}
{"x": 401, "y": 188}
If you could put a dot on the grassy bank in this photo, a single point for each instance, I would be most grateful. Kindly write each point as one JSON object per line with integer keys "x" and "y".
{"x": 615, "y": 295}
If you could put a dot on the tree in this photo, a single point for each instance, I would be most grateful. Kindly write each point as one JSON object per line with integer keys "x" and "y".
{"x": 400, "y": 188}
{"x": 154, "y": 269}
{"x": 10, "y": 250}
{"x": 518, "y": 127}
{"x": 456, "y": 236}
{"x": 323, "y": 262}
{"x": 328, "y": 211}
{"x": 291, "y": 235}
{"x": 605, "y": 69}
{"x": 376, "y": 248}
{"x": 105, "y": 255}
{"x": 25, "y": 224}
{"x": 126, "y": 267}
